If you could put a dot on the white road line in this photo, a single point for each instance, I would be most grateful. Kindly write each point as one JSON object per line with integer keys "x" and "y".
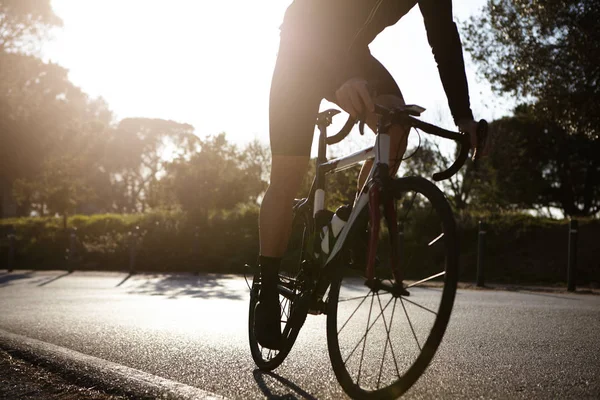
{"x": 93, "y": 367}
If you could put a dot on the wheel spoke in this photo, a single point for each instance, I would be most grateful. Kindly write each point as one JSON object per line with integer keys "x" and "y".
{"x": 354, "y": 312}
{"x": 420, "y": 306}
{"x": 362, "y": 356}
{"x": 410, "y": 324}
{"x": 351, "y": 298}
{"x": 434, "y": 241}
{"x": 427, "y": 279}
{"x": 364, "y": 336}
{"x": 283, "y": 307}
{"x": 388, "y": 330}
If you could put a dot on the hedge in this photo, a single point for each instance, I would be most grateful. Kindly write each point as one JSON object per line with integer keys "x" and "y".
{"x": 520, "y": 248}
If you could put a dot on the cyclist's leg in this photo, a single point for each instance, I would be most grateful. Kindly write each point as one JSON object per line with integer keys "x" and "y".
{"x": 293, "y": 106}
{"x": 276, "y": 211}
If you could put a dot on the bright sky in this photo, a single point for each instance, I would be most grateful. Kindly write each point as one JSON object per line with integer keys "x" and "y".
{"x": 209, "y": 63}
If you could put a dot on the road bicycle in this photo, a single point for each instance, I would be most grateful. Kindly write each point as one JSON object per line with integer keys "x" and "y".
{"x": 387, "y": 282}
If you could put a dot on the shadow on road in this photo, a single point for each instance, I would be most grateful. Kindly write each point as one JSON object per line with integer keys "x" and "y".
{"x": 177, "y": 286}
{"x": 7, "y": 278}
{"x": 125, "y": 279}
{"x": 276, "y": 384}
{"x": 55, "y": 278}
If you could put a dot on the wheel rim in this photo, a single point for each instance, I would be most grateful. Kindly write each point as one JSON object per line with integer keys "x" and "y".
{"x": 381, "y": 340}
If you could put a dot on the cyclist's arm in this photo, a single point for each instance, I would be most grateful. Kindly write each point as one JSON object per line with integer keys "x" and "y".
{"x": 447, "y": 50}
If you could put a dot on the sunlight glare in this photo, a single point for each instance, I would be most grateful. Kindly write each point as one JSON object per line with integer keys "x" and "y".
{"x": 172, "y": 59}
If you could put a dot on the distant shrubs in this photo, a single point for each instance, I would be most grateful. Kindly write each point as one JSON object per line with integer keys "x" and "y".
{"x": 520, "y": 248}
{"x": 163, "y": 241}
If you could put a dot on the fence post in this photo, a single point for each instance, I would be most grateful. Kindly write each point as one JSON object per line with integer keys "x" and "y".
{"x": 12, "y": 239}
{"x": 133, "y": 236}
{"x": 72, "y": 252}
{"x": 572, "y": 251}
{"x": 481, "y": 253}
{"x": 196, "y": 250}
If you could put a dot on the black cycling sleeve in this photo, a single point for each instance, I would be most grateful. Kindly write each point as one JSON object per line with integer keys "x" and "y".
{"x": 447, "y": 49}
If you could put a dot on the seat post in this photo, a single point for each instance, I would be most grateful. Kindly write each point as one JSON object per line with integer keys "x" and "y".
{"x": 321, "y": 157}
{"x": 322, "y": 154}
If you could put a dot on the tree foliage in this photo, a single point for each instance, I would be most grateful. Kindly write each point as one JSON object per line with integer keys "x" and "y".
{"x": 537, "y": 165}
{"x": 546, "y": 51}
{"x": 23, "y": 23}
{"x": 136, "y": 157}
{"x": 216, "y": 178}
{"x": 58, "y": 189}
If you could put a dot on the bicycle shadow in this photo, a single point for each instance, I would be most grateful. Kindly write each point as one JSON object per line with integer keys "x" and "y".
{"x": 279, "y": 382}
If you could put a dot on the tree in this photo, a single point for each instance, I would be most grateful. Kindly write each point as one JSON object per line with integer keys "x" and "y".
{"x": 547, "y": 52}
{"x": 136, "y": 156}
{"x": 217, "y": 178}
{"x": 43, "y": 116}
{"x": 537, "y": 165}
{"x": 23, "y": 23}
{"x": 58, "y": 189}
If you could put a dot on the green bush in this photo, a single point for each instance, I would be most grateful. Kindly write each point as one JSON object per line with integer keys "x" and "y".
{"x": 164, "y": 241}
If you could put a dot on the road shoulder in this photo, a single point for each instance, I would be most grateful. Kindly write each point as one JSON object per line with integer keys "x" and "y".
{"x": 83, "y": 371}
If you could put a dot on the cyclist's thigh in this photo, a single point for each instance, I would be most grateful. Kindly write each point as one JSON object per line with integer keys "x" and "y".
{"x": 294, "y": 99}
{"x": 382, "y": 84}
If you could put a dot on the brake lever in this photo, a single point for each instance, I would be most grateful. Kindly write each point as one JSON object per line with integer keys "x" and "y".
{"x": 361, "y": 126}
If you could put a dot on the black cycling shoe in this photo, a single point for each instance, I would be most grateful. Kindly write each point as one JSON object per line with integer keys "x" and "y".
{"x": 267, "y": 321}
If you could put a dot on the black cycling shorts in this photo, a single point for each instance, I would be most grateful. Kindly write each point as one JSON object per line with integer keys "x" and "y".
{"x": 299, "y": 84}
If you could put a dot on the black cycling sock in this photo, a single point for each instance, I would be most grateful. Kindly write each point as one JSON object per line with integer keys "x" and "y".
{"x": 269, "y": 268}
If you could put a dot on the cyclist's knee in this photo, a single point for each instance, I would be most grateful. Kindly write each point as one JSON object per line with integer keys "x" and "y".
{"x": 287, "y": 173}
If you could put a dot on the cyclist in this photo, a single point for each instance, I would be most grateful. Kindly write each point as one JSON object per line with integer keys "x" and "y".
{"x": 324, "y": 53}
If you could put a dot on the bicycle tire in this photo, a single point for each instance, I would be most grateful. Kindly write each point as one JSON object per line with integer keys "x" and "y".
{"x": 339, "y": 351}
{"x": 293, "y": 278}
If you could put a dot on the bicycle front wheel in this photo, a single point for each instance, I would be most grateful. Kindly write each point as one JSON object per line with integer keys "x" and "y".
{"x": 383, "y": 333}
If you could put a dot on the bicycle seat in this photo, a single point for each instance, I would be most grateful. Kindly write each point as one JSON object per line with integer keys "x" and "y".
{"x": 325, "y": 117}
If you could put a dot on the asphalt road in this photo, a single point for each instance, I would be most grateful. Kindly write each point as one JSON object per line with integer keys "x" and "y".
{"x": 193, "y": 330}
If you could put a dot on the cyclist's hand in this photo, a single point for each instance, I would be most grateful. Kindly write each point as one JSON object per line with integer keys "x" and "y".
{"x": 353, "y": 96}
{"x": 470, "y": 126}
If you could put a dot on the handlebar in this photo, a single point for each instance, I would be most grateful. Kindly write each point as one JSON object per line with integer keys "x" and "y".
{"x": 345, "y": 131}
{"x": 406, "y": 116}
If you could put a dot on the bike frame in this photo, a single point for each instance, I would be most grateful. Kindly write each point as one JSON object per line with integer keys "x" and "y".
{"x": 379, "y": 152}
{"x": 377, "y": 187}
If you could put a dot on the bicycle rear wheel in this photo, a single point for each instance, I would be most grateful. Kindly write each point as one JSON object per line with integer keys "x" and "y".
{"x": 380, "y": 338}
{"x": 294, "y": 290}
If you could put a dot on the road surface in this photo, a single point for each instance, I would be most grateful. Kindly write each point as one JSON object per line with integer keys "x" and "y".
{"x": 193, "y": 330}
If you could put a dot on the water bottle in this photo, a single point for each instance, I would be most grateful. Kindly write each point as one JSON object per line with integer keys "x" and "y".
{"x": 331, "y": 231}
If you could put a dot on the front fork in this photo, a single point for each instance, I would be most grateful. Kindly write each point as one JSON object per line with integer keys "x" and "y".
{"x": 380, "y": 194}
